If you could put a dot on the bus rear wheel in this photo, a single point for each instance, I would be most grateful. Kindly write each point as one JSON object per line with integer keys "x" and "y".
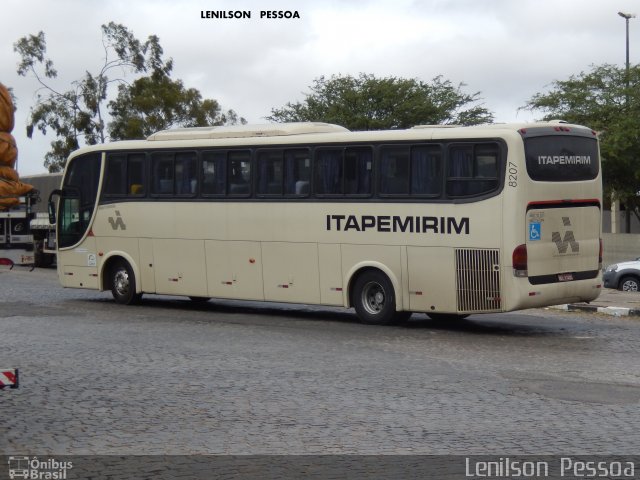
{"x": 123, "y": 284}
{"x": 374, "y": 299}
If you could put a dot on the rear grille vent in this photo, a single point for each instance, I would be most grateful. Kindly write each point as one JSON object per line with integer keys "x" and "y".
{"x": 477, "y": 280}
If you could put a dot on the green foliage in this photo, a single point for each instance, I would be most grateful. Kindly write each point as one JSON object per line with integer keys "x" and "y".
{"x": 370, "y": 103}
{"x": 607, "y": 100}
{"x": 32, "y": 49}
{"x": 76, "y": 115}
{"x": 156, "y": 103}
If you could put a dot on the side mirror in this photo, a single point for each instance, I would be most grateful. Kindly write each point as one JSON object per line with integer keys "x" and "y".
{"x": 52, "y": 206}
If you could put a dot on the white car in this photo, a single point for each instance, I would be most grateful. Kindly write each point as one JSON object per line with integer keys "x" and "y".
{"x": 624, "y": 276}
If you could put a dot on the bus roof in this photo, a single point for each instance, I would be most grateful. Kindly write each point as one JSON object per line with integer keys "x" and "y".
{"x": 245, "y": 131}
{"x": 300, "y": 133}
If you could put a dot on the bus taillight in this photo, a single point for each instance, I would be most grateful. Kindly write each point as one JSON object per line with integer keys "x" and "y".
{"x": 519, "y": 258}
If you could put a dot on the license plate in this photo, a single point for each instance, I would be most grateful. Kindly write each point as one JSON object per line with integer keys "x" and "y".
{"x": 26, "y": 259}
{"x": 565, "y": 277}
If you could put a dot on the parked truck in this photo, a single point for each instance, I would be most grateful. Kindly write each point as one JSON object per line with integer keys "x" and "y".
{"x": 26, "y": 236}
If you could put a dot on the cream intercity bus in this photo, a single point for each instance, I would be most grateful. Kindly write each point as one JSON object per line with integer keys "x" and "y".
{"x": 449, "y": 221}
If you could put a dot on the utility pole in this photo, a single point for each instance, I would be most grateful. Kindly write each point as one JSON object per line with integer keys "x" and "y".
{"x": 626, "y": 16}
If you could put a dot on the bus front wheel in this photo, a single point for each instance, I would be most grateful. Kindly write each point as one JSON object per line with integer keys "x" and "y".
{"x": 123, "y": 284}
{"x": 374, "y": 298}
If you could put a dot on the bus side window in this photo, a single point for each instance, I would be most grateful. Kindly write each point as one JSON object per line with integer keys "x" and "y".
{"x": 394, "y": 171}
{"x": 135, "y": 174}
{"x": 114, "y": 175}
{"x": 328, "y": 176}
{"x": 270, "y": 172}
{"x": 487, "y": 161}
{"x": 162, "y": 167}
{"x": 426, "y": 168}
{"x": 186, "y": 173}
{"x": 213, "y": 173}
{"x": 297, "y": 172}
{"x": 473, "y": 170}
{"x": 124, "y": 175}
{"x": 239, "y": 171}
{"x": 358, "y": 165}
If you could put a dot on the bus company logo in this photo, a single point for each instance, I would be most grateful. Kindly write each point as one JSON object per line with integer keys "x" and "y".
{"x": 398, "y": 224}
{"x": 564, "y": 159}
{"x": 117, "y": 222}
{"x": 37, "y": 469}
{"x": 563, "y": 243}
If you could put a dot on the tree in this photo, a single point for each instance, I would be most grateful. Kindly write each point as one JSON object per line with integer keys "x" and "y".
{"x": 607, "y": 100}
{"x": 370, "y": 103}
{"x": 157, "y": 102}
{"x": 76, "y": 114}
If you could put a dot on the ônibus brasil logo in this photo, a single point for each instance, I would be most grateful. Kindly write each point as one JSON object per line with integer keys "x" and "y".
{"x": 38, "y": 469}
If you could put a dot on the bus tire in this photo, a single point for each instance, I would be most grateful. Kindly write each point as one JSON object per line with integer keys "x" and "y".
{"x": 123, "y": 284}
{"x": 374, "y": 298}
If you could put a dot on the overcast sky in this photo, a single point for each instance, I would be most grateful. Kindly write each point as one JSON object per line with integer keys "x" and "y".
{"x": 507, "y": 50}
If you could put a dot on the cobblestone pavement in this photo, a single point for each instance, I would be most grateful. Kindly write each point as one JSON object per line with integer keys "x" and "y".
{"x": 174, "y": 377}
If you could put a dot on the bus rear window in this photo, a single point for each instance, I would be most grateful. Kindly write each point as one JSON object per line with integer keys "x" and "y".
{"x": 559, "y": 158}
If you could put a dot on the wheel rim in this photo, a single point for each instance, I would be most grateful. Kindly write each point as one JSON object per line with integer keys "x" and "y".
{"x": 121, "y": 282}
{"x": 373, "y": 298}
{"x": 630, "y": 286}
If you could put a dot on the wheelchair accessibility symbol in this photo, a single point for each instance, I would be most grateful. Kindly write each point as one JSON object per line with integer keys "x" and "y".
{"x": 534, "y": 231}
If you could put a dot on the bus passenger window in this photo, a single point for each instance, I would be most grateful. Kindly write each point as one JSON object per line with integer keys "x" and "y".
{"x": 135, "y": 174}
{"x": 270, "y": 174}
{"x": 162, "y": 164}
{"x": 114, "y": 175}
{"x": 297, "y": 172}
{"x": 328, "y": 175}
{"x": 239, "y": 170}
{"x": 186, "y": 174}
{"x": 425, "y": 170}
{"x": 473, "y": 170}
{"x": 487, "y": 165}
{"x": 410, "y": 170}
{"x": 213, "y": 173}
{"x": 358, "y": 164}
{"x": 394, "y": 171}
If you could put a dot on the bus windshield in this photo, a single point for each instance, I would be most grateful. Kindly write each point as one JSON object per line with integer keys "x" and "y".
{"x": 78, "y": 199}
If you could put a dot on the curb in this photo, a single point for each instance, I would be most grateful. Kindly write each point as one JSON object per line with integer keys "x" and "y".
{"x": 614, "y": 311}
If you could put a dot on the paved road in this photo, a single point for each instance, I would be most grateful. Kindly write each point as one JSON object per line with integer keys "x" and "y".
{"x": 172, "y": 377}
